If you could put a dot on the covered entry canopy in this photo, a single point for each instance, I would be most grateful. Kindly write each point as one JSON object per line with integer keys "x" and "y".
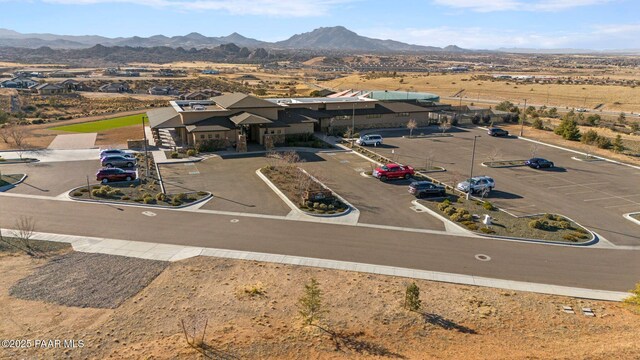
{"x": 246, "y": 118}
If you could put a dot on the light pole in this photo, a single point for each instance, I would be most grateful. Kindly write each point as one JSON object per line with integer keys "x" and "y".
{"x": 146, "y": 152}
{"x": 524, "y": 116}
{"x": 473, "y": 158}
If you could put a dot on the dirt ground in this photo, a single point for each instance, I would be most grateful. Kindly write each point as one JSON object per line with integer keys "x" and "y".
{"x": 251, "y": 312}
{"x": 615, "y": 98}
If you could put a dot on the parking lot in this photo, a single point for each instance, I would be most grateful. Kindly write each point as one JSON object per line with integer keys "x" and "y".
{"x": 236, "y": 187}
{"x": 52, "y": 178}
{"x": 595, "y": 193}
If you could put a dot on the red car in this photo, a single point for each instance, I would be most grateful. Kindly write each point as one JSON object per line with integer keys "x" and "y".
{"x": 393, "y": 171}
{"x": 115, "y": 174}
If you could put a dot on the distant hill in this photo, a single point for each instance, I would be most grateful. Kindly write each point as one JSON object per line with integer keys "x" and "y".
{"x": 325, "y": 38}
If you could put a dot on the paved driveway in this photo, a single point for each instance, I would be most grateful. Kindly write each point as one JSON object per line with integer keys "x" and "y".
{"x": 52, "y": 178}
{"x": 379, "y": 203}
{"x": 595, "y": 194}
{"x": 233, "y": 182}
{"x": 74, "y": 141}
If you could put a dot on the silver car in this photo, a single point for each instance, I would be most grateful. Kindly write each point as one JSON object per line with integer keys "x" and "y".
{"x": 118, "y": 161}
{"x": 477, "y": 184}
{"x": 371, "y": 139}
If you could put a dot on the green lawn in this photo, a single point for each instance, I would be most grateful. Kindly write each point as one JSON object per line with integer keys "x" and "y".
{"x": 101, "y": 125}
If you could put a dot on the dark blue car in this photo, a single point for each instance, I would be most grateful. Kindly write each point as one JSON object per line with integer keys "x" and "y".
{"x": 538, "y": 163}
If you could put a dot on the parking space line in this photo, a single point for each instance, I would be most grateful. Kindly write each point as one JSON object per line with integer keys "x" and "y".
{"x": 579, "y": 192}
{"x": 623, "y": 205}
{"x": 614, "y": 197}
{"x": 575, "y": 184}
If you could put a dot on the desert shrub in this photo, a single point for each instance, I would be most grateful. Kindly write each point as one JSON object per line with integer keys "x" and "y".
{"x": 487, "y": 230}
{"x": 445, "y": 203}
{"x": 161, "y": 197}
{"x": 537, "y": 124}
{"x": 148, "y": 200}
{"x": 316, "y": 205}
{"x": 106, "y": 188}
{"x": 138, "y": 198}
{"x": 114, "y": 192}
{"x": 460, "y": 216}
{"x": 579, "y": 235}
{"x": 98, "y": 193}
{"x": 175, "y": 201}
{"x": 180, "y": 196}
{"x": 331, "y": 207}
{"x": 174, "y": 155}
{"x": 95, "y": 187}
{"x": 488, "y": 206}
{"x": 569, "y": 237}
{"x": 77, "y": 193}
{"x": 472, "y": 227}
{"x": 449, "y": 210}
{"x": 323, "y": 206}
{"x": 84, "y": 190}
{"x": 191, "y": 152}
{"x": 202, "y": 193}
{"x": 604, "y": 142}
{"x": 563, "y": 225}
{"x": 192, "y": 198}
{"x": 125, "y": 198}
{"x": 589, "y": 137}
{"x": 538, "y": 224}
{"x": 581, "y": 230}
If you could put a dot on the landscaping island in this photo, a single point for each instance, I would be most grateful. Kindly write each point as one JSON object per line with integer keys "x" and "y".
{"x": 305, "y": 191}
{"x": 144, "y": 190}
{"x": 470, "y": 213}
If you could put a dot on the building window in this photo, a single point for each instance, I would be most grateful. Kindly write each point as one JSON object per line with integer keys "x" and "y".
{"x": 210, "y": 136}
{"x": 402, "y": 114}
{"x": 217, "y": 136}
{"x": 374, "y": 116}
{"x": 201, "y": 136}
{"x": 343, "y": 117}
{"x": 273, "y": 131}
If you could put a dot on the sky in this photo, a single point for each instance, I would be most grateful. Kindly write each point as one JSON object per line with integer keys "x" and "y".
{"x": 472, "y": 24}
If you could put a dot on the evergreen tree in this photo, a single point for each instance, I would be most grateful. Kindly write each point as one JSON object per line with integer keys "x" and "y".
{"x": 310, "y": 304}
{"x": 618, "y": 146}
{"x": 412, "y": 297}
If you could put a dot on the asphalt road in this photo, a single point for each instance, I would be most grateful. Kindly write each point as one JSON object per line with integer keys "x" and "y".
{"x": 595, "y": 194}
{"x": 603, "y": 269}
{"x": 52, "y": 178}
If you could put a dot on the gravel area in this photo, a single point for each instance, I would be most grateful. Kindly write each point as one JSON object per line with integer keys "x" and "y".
{"x": 88, "y": 280}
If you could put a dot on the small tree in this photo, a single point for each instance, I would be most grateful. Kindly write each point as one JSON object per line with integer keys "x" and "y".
{"x": 310, "y": 304}
{"x": 445, "y": 125}
{"x": 411, "y": 125}
{"x": 618, "y": 145}
{"x": 5, "y": 132}
{"x": 537, "y": 124}
{"x": 634, "y": 298}
{"x": 18, "y": 134}
{"x": 412, "y": 300}
{"x": 25, "y": 229}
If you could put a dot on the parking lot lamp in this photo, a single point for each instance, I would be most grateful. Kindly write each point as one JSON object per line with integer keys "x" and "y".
{"x": 473, "y": 158}
{"x": 146, "y": 152}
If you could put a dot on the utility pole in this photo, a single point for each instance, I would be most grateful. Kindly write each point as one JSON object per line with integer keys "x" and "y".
{"x": 524, "y": 116}
{"x": 473, "y": 158}
{"x": 146, "y": 152}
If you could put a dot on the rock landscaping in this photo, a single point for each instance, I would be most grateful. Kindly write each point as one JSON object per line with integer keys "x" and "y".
{"x": 470, "y": 214}
{"x": 305, "y": 191}
{"x": 504, "y": 163}
{"x": 146, "y": 190}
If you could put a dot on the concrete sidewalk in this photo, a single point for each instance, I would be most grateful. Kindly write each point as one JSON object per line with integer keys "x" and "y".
{"x": 53, "y": 155}
{"x": 168, "y": 252}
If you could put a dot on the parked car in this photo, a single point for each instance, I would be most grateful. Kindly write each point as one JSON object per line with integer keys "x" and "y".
{"x": 118, "y": 161}
{"x": 581, "y": 110}
{"x": 497, "y": 132}
{"x": 115, "y": 174}
{"x": 393, "y": 171}
{"x": 477, "y": 184}
{"x": 422, "y": 189}
{"x": 372, "y": 139}
{"x": 110, "y": 152}
{"x": 538, "y": 163}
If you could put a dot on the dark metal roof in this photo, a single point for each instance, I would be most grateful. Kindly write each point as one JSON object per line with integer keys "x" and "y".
{"x": 218, "y": 123}
{"x": 297, "y": 116}
{"x": 242, "y": 101}
{"x": 245, "y": 118}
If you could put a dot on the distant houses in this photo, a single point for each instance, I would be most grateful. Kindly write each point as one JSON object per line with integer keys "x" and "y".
{"x": 18, "y": 83}
{"x": 210, "y": 72}
{"x": 114, "y": 88}
{"x": 163, "y": 90}
{"x": 73, "y": 85}
{"x": 48, "y": 89}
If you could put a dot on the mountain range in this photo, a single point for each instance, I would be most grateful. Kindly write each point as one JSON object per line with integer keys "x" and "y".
{"x": 324, "y": 38}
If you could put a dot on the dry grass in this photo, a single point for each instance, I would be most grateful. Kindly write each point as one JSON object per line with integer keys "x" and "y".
{"x": 456, "y": 322}
{"x": 587, "y": 96}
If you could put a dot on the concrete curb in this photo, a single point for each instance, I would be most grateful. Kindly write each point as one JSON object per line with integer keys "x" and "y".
{"x": 454, "y": 227}
{"x": 486, "y": 164}
{"x": 168, "y": 252}
{"x": 629, "y": 217}
{"x": 585, "y": 160}
{"x": 9, "y": 162}
{"x": 293, "y": 206}
{"x": 11, "y": 186}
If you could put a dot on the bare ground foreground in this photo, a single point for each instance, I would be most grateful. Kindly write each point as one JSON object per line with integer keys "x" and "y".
{"x": 252, "y": 314}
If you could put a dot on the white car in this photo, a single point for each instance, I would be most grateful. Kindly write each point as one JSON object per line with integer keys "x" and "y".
{"x": 477, "y": 184}
{"x": 371, "y": 139}
{"x": 112, "y": 152}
